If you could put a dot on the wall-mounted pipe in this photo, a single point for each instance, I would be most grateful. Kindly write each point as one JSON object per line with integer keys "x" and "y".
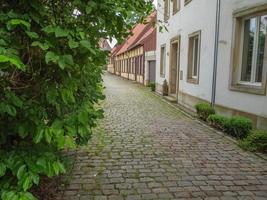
{"x": 216, "y": 49}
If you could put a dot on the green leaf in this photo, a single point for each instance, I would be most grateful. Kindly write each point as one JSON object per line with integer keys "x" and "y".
{"x": 59, "y": 32}
{"x": 12, "y": 60}
{"x": 43, "y": 46}
{"x": 38, "y": 136}
{"x": 3, "y": 42}
{"x": 27, "y": 183}
{"x": 51, "y": 57}
{"x": 10, "y": 195}
{"x": 13, "y": 23}
{"x": 22, "y": 130}
{"x": 69, "y": 141}
{"x": 11, "y": 110}
{"x": 48, "y": 135}
{"x": 51, "y": 95}
{"x": 2, "y": 169}
{"x": 35, "y": 178}
{"x": 88, "y": 9}
{"x": 73, "y": 44}
{"x": 86, "y": 44}
{"x": 56, "y": 168}
{"x": 21, "y": 172}
{"x": 61, "y": 167}
{"x": 49, "y": 29}
{"x": 83, "y": 117}
{"x": 65, "y": 61}
{"x": 32, "y": 35}
{"x": 26, "y": 196}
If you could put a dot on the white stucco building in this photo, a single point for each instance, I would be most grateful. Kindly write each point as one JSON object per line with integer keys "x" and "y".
{"x": 231, "y": 74}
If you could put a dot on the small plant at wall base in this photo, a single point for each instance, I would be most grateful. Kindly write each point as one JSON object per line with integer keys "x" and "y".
{"x": 152, "y": 85}
{"x": 218, "y": 121}
{"x": 255, "y": 141}
{"x": 204, "y": 110}
{"x": 238, "y": 127}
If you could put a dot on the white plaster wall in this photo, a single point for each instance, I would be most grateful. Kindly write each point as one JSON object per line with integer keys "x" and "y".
{"x": 250, "y": 103}
{"x": 200, "y": 15}
{"x": 197, "y": 15}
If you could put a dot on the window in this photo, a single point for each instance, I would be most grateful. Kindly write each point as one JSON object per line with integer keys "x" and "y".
{"x": 249, "y": 63}
{"x": 193, "y": 57}
{"x": 187, "y": 2}
{"x": 162, "y": 60}
{"x": 254, "y": 39}
{"x": 166, "y": 10}
{"x": 176, "y": 6}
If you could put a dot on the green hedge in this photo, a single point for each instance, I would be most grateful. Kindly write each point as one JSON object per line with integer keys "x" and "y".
{"x": 236, "y": 126}
{"x": 218, "y": 121}
{"x": 256, "y": 141}
{"x": 204, "y": 110}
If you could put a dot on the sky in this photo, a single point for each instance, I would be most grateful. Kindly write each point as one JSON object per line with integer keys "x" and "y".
{"x": 114, "y": 41}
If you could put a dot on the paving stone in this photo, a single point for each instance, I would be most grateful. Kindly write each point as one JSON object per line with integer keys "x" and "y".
{"x": 144, "y": 148}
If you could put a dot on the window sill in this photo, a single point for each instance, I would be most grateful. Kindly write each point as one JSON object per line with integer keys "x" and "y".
{"x": 251, "y": 89}
{"x": 192, "y": 80}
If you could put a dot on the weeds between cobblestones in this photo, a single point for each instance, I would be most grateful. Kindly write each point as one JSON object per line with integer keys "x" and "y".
{"x": 145, "y": 149}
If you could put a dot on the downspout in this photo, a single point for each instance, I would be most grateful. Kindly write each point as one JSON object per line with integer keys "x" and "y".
{"x": 216, "y": 49}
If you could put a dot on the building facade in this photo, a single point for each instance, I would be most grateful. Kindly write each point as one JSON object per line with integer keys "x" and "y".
{"x": 135, "y": 59}
{"x": 215, "y": 51}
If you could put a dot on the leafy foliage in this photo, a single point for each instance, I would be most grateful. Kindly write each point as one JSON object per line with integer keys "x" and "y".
{"x": 238, "y": 127}
{"x": 152, "y": 85}
{"x": 255, "y": 141}
{"x": 218, "y": 121}
{"x": 204, "y": 110}
{"x": 50, "y": 81}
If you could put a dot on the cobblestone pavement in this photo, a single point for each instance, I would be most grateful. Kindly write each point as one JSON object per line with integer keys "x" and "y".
{"x": 145, "y": 149}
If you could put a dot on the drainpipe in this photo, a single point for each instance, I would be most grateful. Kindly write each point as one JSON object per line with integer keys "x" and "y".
{"x": 216, "y": 47}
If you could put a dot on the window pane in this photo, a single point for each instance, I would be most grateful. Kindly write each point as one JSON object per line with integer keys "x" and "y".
{"x": 249, "y": 36}
{"x": 261, "y": 47}
{"x": 195, "y": 56}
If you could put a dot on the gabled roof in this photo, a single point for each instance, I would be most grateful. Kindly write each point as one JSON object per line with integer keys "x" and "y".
{"x": 138, "y": 34}
{"x": 115, "y": 49}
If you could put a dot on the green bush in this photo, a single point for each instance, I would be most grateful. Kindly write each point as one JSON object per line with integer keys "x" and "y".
{"x": 50, "y": 81}
{"x": 204, "y": 110}
{"x": 238, "y": 127}
{"x": 152, "y": 85}
{"x": 255, "y": 141}
{"x": 218, "y": 121}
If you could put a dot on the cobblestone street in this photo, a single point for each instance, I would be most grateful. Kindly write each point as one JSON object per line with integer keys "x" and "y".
{"x": 146, "y": 149}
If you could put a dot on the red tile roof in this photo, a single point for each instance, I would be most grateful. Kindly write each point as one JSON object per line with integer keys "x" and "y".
{"x": 138, "y": 34}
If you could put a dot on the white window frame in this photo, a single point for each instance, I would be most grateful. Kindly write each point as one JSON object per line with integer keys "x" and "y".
{"x": 190, "y": 76}
{"x": 193, "y": 62}
{"x": 237, "y": 52}
{"x": 252, "y": 81}
{"x": 163, "y": 61}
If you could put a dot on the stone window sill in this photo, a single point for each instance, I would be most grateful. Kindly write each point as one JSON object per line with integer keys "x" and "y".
{"x": 192, "y": 80}
{"x": 252, "y": 89}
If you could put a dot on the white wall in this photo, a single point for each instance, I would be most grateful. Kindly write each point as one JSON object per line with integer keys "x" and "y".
{"x": 197, "y": 15}
{"x": 200, "y": 15}
{"x": 251, "y": 103}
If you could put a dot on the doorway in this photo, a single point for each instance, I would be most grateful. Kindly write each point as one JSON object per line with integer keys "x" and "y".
{"x": 174, "y": 67}
{"x": 152, "y": 71}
